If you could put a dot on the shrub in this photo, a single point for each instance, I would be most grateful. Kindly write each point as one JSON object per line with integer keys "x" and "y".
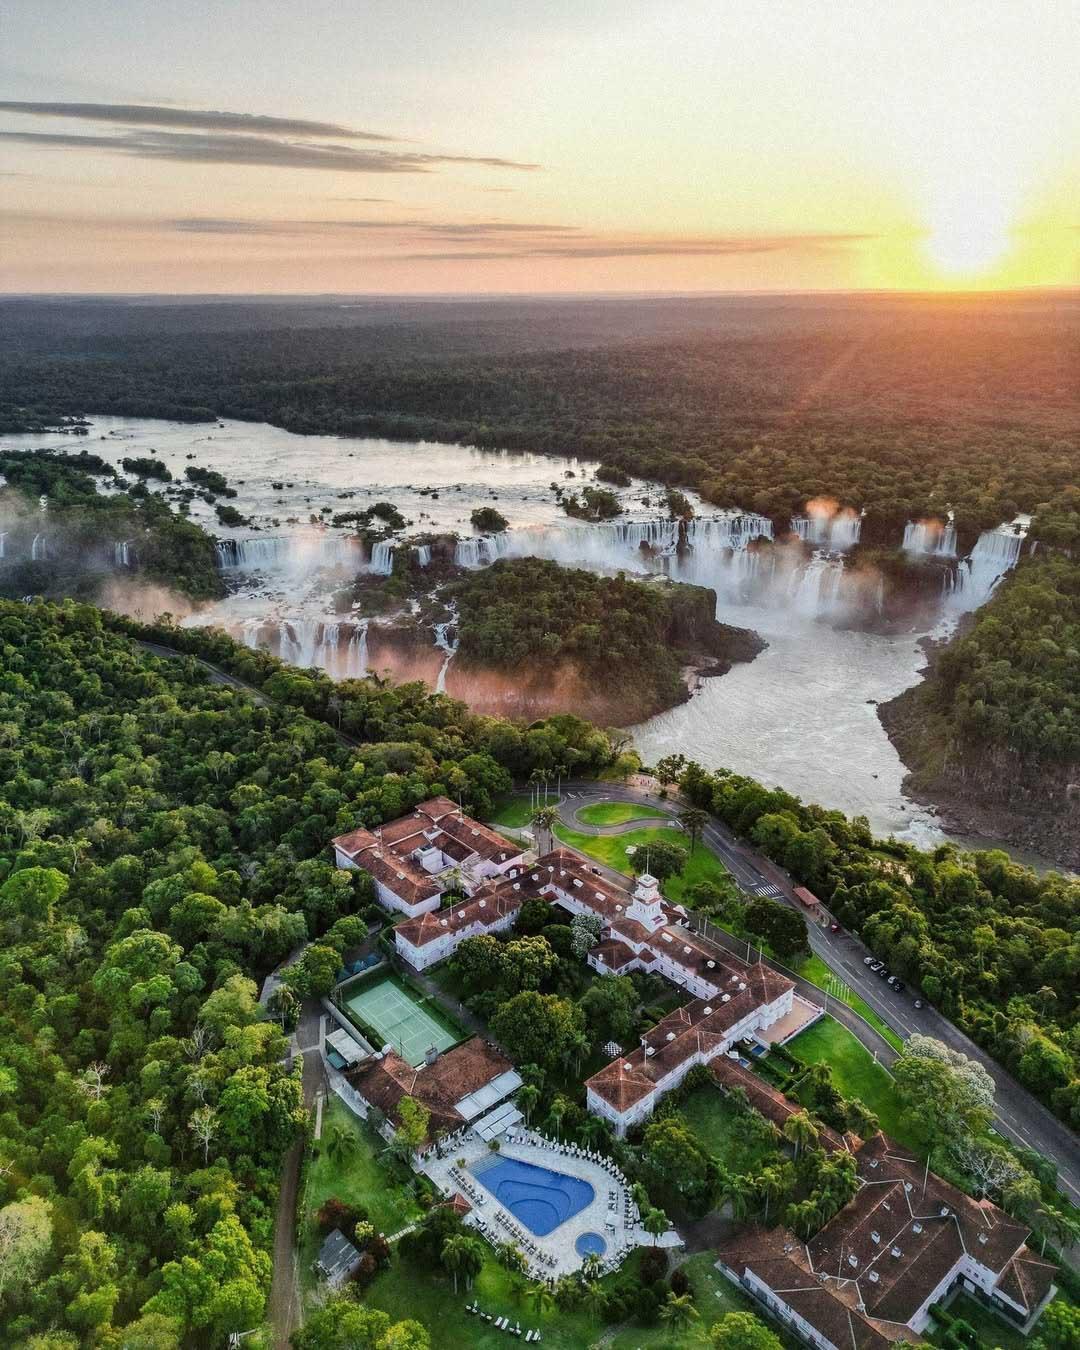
{"x": 335, "y": 1213}
{"x": 654, "y": 1265}
{"x": 680, "y": 1282}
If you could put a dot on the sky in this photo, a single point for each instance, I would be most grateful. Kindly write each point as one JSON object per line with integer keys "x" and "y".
{"x": 475, "y": 146}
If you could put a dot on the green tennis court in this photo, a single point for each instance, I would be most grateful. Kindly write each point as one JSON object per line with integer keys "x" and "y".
{"x": 389, "y": 1008}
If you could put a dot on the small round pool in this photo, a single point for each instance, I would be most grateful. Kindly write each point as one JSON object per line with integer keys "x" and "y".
{"x": 590, "y": 1244}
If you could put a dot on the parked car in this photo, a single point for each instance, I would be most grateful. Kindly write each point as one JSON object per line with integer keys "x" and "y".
{"x": 917, "y": 1003}
{"x": 868, "y": 960}
{"x": 899, "y": 986}
{"x": 834, "y": 928}
{"x": 882, "y": 972}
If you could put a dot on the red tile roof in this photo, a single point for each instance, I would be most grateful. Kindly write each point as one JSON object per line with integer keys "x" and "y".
{"x": 440, "y": 1086}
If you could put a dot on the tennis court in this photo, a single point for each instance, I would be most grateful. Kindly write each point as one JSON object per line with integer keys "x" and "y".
{"x": 389, "y": 1008}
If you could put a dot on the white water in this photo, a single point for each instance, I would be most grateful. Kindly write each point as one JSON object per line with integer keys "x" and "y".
{"x": 382, "y": 557}
{"x": 801, "y": 715}
{"x": 3, "y": 536}
{"x": 977, "y": 576}
{"x": 443, "y": 642}
{"x": 38, "y": 549}
{"x": 123, "y": 553}
{"x": 930, "y": 538}
{"x": 827, "y": 526}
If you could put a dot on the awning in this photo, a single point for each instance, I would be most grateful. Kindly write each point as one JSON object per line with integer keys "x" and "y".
{"x": 484, "y": 1098}
{"x": 347, "y": 1048}
{"x": 503, "y": 1118}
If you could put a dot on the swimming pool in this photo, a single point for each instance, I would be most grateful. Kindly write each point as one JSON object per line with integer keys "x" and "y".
{"x": 590, "y": 1244}
{"x": 537, "y": 1197}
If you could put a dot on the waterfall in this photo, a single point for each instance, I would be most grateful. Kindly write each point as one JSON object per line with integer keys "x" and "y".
{"x": 442, "y": 641}
{"x": 339, "y": 648}
{"x": 123, "y": 553}
{"x": 832, "y": 529}
{"x": 423, "y": 555}
{"x": 382, "y": 558}
{"x": 976, "y": 577}
{"x": 38, "y": 549}
{"x": 3, "y": 536}
{"x": 289, "y": 552}
{"x": 930, "y": 537}
{"x": 815, "y": 590}
{"x": 483, "y": 551}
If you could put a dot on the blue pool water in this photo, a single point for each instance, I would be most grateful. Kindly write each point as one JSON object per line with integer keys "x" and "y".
{"x": 590, "y": 1244}
{"x": 537, "y": 1197}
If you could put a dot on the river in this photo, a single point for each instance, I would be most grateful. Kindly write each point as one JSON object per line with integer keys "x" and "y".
{"x": 802, "y": 715}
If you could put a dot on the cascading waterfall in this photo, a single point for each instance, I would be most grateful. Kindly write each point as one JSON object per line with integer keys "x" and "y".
{"x": 358, "y": 652}
{"x": 930, "y": 538}
{"x": 294, "y": 553}
{"x": 382, "y": 558}
{"x": 423, "y": 555}
{"x": 3, "y": 536}
{"x": 838, "y": 531}
{"x": 340, "y": 648}
{"x": 39, "y": 551}
{"x": 442, "y": 641}
{"x": 123, "y": 553}
{"x": 977, "y": 576}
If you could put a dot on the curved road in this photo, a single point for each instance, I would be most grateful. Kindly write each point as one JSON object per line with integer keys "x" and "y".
{"x": 1019, "y": 1116}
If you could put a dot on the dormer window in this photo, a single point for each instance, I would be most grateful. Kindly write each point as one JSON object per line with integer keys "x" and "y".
{"x": 916, "y": 1227}
{"x": 983, "y": 1239}
{"x": 853, "y": 1261}
{"x": 875, "y": 1238}
{"x": 874, "y": 1277}
{"x": 896, "y": 1252}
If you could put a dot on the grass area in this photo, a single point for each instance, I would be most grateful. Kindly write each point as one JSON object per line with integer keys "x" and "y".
{"x": 368, "y": 1177}
{"x": 611, "y": 849}
{"x": 991, "y": 1330}
{"x": 814, "y": 969}
{"x": 514, "y": 812}
{"x": 402, "y": 1291}
{"x": 721, "y": 1128}
{"x": 615, "y": 813}
{"x": 855, "y": 1071}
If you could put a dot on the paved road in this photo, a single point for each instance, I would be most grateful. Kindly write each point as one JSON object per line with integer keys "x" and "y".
{"x": 1019, "y": 1116}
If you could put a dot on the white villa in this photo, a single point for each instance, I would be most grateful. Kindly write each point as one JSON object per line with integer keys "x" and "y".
{"x": 641, "y": 931}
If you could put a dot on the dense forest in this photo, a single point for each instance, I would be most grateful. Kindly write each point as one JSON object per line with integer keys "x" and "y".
{"x": 71, "y": 524}
{"x": 621, "y": 643}
{"x": 904, "y": 407}
{"x": 162, "y": 847}
{"x": 993, "y": 731}
{"x": 993, "y": 945}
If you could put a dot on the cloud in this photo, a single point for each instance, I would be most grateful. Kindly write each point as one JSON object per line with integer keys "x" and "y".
{"x": 416, "y": 228}
{"x": 615, "y": 247}
{"x": 262, "y": 151}
{"x": 152, "y": 115}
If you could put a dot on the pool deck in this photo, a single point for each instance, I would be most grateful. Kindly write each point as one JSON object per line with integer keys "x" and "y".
{"x": 554, "y": 1254}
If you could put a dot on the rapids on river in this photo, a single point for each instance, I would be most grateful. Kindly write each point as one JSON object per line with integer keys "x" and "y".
{"x": 802, "y": 715}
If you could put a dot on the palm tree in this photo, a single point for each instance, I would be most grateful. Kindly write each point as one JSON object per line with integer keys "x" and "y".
{"x": 540, "y": 1297}
{"x": 679, "y": 1311}
{"x": 640, "y": 1197}
{"x": 737, "y": 1190}
{"x": 693, "y": 820}
{"x": 861, "y": 1119}
{"x": 593, "y": 1298}
{"x": 558, "y": 1110}
{"x": 454, "y": 1255}
{"x": 771, "y": 1185}
{"x": 800, "y": 1130}
{"x": 595, "y": 1131}
{"x": 473, "y": 1260}
{"x": 655, "y": 1223}
{"x": 527, "y": 1097}
{"x": 544, "y": 820}
{"x": 340, "y": 1144}
{"x": 1058, "y": 1226}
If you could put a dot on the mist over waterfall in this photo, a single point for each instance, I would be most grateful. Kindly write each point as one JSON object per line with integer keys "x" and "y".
{"x": 340, "y": 648}
{"x": 827, "y": 525}
{"x": 930, "y": 538}
{"x": 296, "y": 553}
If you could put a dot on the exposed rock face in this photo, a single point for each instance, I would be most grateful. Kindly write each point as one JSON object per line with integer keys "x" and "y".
{"x": 998, "y": 793}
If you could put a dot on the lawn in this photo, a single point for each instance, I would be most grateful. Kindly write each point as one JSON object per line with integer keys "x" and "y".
{"x": 855, "y": 1071}
{"x": 720, "y": 1127}
{"x": 611, "y": 849}
{"x": 616, "y": 813}
{"x": 814, "y": 969}
{"x": 369, "y": 1177}
{"x": 513, "y": 812}
{"x": 991, "y": 1330}
{"x": 402, "y": 1292}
